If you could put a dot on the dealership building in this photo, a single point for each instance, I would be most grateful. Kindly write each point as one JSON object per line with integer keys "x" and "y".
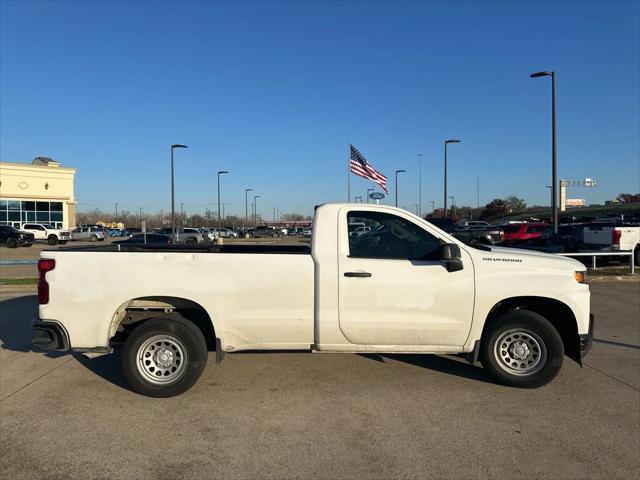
{"x": 40, "y": 192}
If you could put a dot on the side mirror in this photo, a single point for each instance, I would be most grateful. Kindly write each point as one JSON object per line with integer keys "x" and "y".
{"x": 451, "y": 256}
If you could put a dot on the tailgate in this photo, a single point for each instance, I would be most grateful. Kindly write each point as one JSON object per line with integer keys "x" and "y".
{"x": 598, "y": 235}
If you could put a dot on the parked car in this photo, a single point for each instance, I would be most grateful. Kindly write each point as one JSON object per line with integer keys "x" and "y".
{"x": 225, "y": 233}
{"x": 519, "y": 233}
{"x": 88, "y": 233}
{"x": 146, "y": 238}
{"x": 43, "y": 231}
{"x": 404, "y": 287}
{"x": 359, "y": 231}
{"x": 187, "y": 235}
{"x": 265, "y": 231}
{"x": 307, "y": 232}
{"x": 474, "y": 235}
{"x": 13, "y": 238}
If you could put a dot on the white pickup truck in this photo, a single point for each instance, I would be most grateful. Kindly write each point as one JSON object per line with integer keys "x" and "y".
{"x": 608, "y": 236}
{"x": 403, "y": 287}
{"x": 43, "y": 231}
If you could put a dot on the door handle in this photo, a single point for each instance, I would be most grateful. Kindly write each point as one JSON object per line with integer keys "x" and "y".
{"x": 357, "y": 274}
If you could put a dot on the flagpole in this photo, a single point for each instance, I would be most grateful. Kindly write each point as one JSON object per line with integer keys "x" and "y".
{"x": 349, "y": 175}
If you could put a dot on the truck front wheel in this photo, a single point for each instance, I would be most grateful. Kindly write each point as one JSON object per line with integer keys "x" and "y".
{"x": 52, "y": 239}
{"x": 522, "y": 349}
{"x": 164, "y": 357}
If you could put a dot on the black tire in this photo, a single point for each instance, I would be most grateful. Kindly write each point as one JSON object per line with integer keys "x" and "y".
{"x": 12, "y": 243}
{"x": 524, "y": 330}
{"x": 191, "y": 241}
{"x": 182, "y": 333}
{"x": 275, "y": 235}
{"x": 94, "y": 238}
{"x": 52, "y": 240}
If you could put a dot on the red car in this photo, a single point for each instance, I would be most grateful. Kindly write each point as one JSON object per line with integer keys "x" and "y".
{"x": 521, "y": 232}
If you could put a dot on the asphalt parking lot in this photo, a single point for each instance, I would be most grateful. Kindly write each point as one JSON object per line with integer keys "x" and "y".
{"x": 292, "y": 415}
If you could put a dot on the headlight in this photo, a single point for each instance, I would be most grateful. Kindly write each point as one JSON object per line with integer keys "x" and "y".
{"x": 581, "y": 277}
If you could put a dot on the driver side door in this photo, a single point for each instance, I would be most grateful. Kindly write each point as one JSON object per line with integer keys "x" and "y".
{"x": 394, "y": 289}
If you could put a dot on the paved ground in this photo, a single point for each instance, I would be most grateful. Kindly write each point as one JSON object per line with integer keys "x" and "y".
{"x": 328, "y": 416}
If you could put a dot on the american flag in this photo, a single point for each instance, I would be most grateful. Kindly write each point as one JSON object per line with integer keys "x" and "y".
{"x": 359, "y": 165}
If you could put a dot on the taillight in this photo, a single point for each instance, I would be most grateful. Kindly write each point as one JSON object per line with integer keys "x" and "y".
{"x": 44, "y": 265}
{"x": 616, "y": 236}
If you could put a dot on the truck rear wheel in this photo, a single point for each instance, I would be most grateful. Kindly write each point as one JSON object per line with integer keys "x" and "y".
{"x": 164, "y": 357}
{"x": 12, "y": 243}
{"x": 52, "y": 239}
{"x": 522, "y": 349}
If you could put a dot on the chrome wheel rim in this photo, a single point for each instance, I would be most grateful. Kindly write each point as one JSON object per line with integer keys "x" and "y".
{"x": 520, "y": 352}
{"x": 162, "y": 359}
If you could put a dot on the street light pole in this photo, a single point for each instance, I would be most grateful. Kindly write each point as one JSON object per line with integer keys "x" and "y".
{"x": 446, "y": 142}
{"x": 221, "y": 172}
{"x": 453, "y": 206}
{"x": 554, "y": 176}
{"x": 419, "y": 213}
{"x": 255, "y": 210}
{"x": 116, "y": 212}
{"x": 181, "y": 214}
{"x": 416, "y": 205}
{"x": 173, "y": 195}
{"x": 397, "y": 172}
{"x": 246, "y": 207}
{"x": 433, "y": 206}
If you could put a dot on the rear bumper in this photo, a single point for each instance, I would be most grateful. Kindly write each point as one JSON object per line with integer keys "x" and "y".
{"x": 50, "y": 336}
{"x": 586, "y": 340}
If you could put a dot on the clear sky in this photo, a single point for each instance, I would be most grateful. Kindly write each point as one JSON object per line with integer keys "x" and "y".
{"x": 275, "y": 91}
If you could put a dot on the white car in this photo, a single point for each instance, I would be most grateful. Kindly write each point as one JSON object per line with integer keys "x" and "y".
{"x": 405, "y": 287}
{"x": 43, "y": 231}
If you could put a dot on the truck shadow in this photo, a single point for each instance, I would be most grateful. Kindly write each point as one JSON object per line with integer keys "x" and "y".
{"x": 439, "y": 363}
{"x": 15, "y": 325}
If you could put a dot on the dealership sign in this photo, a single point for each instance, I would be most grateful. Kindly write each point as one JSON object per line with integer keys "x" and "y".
{"x": 376, "y": 196}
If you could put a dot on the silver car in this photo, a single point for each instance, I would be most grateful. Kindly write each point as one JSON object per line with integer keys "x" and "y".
{"x": 89, "y": 233}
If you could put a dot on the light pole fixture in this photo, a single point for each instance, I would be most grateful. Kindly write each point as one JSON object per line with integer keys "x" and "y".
{"x": 397, "y": 172}
{"x": 419, "y": 213}
{"x": 173, "y": 195}
{"x": 221, "y": 172}
{"x": 246, "y": 207}
{"x": 446, "y": 142}
{"x": 369, "y": 190}
{"x": 255, "y": 210}
{"x": 554, "y": 176}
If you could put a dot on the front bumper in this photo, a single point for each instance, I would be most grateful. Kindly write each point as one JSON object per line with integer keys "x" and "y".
{"x": 50, "y": 336}
{"x": 586, "y": 340}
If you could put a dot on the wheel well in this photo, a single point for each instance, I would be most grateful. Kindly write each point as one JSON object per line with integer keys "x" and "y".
{"x": 133, "y": 313}
{"x": 556, "y": 312}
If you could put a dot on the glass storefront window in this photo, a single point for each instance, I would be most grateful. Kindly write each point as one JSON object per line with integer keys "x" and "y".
{"x": 15, "y": 212}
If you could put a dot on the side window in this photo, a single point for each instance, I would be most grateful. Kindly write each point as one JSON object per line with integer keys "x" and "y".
{"x": 390, "y": 236}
